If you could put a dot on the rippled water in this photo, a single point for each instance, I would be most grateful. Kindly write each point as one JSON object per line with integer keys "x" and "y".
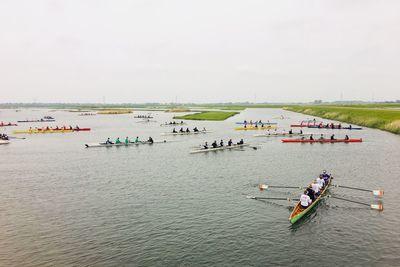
{"x": 64, "y": 205}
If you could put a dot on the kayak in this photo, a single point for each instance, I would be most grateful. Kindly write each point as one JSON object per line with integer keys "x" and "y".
{"x": 281, "y": 134}
{"x": 322, "y": 141}
{"x": 266, "y": 127}
{"x": 123, "y": 144}
{"x": 335, "y": 127}
{"x": 51, "y": 131}
{"x": 258, "y": 123}
{"x": 217, "y": 148}
{"x": 185, "y": 133}
{"x": 4, "y": 142}
{"x": 8, "y": 124}
{"x": 52, "y": 120}
{"x": 298, "y": 211}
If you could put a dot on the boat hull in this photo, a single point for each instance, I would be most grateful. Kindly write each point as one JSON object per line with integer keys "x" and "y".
{"x": 322, "y": 141}
{"x": 217, "y": 148}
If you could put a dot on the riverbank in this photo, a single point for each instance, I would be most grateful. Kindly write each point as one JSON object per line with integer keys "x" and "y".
{"x": 387, "y": 119}
{"x": 208, "y": 116}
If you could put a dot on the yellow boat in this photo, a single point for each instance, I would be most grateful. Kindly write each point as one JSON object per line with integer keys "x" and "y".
{"x": 260, "y": 127}
{"x": 45, "y": 131}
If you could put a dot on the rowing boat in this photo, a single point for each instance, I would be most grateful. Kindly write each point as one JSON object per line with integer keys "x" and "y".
{"x": 123, "y": 144}
{"x": 266, "y": 127}
{"x": 144, "y": 117}
{"x": 52, "y": 120}
{"x": 257, "y": 122}
{"x": 7, "y": 124}
{"x": 4, "y": 142}
{"x": 172, "y": 124}
{"x": 269, "y": 134}
{"x": 322, "y": 141}
{"x": 37, "y": 131}
{"x": 298, "y": 211}
{"x": 218, "y": 148}
{"x": 186, "y": 133}
{"x": 334, "y": 128}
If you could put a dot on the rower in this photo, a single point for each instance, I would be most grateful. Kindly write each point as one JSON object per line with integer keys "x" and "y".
{"x": 109, "y": 141}
{"x": 221, "y": 143}
{"x": 340, "y": 126}
{"x": 70, "y": 127}
{"x": 214, "y": 144}
{"x": 205, "y": 146}
{"x": 245, "y": 122}
{"x": 322, "y": 137}
{"x": 311, "y": 137}
{"x": 241, "y": 142}
{"x": 290, "y": 131}
{"x": 204, "y": 129}
{"x": 117, "y": 141}
{"x": 301, "y": 131}
{"x": 310, "y": 193}
{"x": 332, "y": 137}
{"x": 187, "y": 130}
{"x": 230, "y": 142}
{"x": 321, "y": 181}
{"x": 346, "y": 137}
{"x": 77, "y": 127}
{"x": 350, "y": 126}
{"x": 195, "y": 129}
{"x": 181, "y": 122}
{"x": 150, "y": 140}
{"x": 305, "y": 200}
{"x": 174, "y": 131}
{"x": 259, "y": 121}
{"x": 316, "y": 188}
{"x": 181, "y": 130}
{"x": 137, "y": 139}
{"x": 126, "y": 140}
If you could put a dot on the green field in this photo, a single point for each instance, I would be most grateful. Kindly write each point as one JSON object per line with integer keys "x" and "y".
{"x": 207, "y": 116}
{"x": 386, "y": 118}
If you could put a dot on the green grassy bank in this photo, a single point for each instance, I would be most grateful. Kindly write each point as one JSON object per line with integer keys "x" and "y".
{"x": 387, "y": 119}
{"x": 208, "y": 116}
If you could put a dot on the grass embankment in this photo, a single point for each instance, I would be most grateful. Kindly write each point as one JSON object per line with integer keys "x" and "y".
{"x": 387, "y": 119}
{"x": 207, "y": 116}
{"x": 114, "y": 111}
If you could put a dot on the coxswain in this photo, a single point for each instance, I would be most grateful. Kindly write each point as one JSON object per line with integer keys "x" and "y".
{"x": 346, "y": 137}
{"x": 230, "y": 142}
{"x": 311, "y": 137}
{"x": 150, "y": 140}
{"x": 126, "y": 140}
{"x": 214, "y": 144}
{"x": 174, "y": 131}
{"x": 195, "y": 129}
{"x": 332, "y": 137}
{"x": 117, "y": 141}
{"x": 241, "y": 142}
{"x": 205, "y": 145}
{"x": 221, "y": 143}
{"x": 305, "y": 200}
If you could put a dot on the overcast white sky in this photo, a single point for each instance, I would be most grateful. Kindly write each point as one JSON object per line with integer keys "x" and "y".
{"x": 198, "y": 51}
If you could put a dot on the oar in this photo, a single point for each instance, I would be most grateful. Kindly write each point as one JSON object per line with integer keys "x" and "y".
{"x": 13, "y": 137}
{"x": 372, "y": 206}
{"x": 378, "y": 193}
{"x": 265, "y": 186}
{"x": 274, "y": 198}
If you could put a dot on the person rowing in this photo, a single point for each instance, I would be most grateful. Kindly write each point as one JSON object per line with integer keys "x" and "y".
{"x": 346, "y": 137}
{"x": 245, "y": 122}
{"x": 310, "y": 193}
{"x": 204, "y": 129}
{"x": 320, "y": 181}
{"x": 150, "y": 140}
{"x": 301, "y": 131}
{"x": 174, "y": 131}
{"x": 305, "y": 200}
{"x": 316, "y": 188}
{"x": 126, "y": 140}
{"x": 205, "y": 146}
{"x": 109, "y": 141}
{"x": 137, "y": 139}
{"x": 321, "y": 137}
{"x": 187, "y": 130}
{"x": 340, "y": 126}
{"x": 195, "y": 129}
{"x": 241, "y": 142}
{"x": 70, "y": 127}
{"x": 333, "y": 137}
{"x": 311, "y": 137}
{"x": 214, "y": 144}
{"x": 221, "y": 144}
{"x": 230, "y": 142}
{"x": 350, "y": 127}
{"x": 117, "y": 141}
{"x": 181, "y": 130}
{"x": 290, "y": 131}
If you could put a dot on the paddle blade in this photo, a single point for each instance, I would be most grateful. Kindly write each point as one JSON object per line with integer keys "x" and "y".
{"x": 378, "y": 193}
{"x": 377, "y": 206}
{"x": 262, "y": 187}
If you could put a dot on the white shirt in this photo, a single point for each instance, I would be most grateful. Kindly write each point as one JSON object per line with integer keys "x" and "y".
{"x": 315, "y": 187}
{"x": 305, "y": 200}
{"x": 320, "y": 181}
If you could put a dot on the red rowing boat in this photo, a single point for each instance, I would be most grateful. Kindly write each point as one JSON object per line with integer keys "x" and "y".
{"x": 7, "y": 124}
{"x": 322, "y": 141}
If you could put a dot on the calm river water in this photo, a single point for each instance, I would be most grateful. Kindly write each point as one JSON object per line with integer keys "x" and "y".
{"x": 64, "y": 205}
